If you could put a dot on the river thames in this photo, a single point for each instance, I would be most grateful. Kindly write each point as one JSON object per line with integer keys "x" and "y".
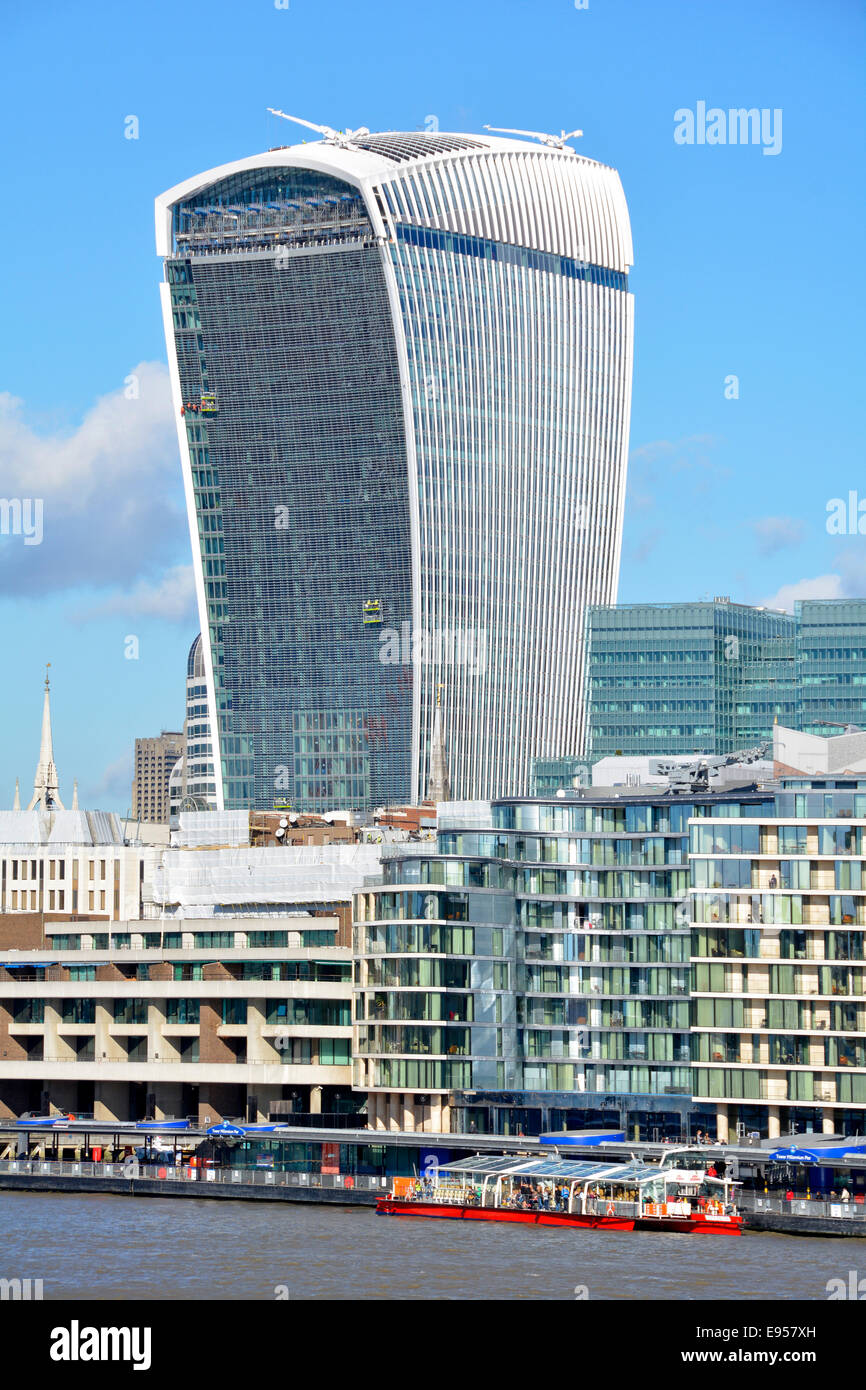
{"x": 105, "y": 1247}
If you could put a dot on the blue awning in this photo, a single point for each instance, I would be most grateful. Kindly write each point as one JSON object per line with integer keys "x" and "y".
{"x": 821, "y": 1152}
{"x": 29, "y": 964}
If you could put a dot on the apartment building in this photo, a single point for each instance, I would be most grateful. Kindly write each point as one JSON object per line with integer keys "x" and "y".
{"x": 131, "y": 1023}
{"x": 663, "y": 961}
{"x": 779, "y": 965}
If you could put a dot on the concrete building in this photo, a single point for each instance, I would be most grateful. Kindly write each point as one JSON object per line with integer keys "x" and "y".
{"x": 154, "y": 760}
{"x": 132, "y": 1022}
{"x": 717, "y": 773}
{"x": 373, "y": 504}
{"x": 817, "y": 755}
{"x": 209, "y": 976}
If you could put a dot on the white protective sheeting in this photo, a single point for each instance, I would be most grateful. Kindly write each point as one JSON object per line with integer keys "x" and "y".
{"x": 212, "y": 828}
{"x": 294, "y": 874}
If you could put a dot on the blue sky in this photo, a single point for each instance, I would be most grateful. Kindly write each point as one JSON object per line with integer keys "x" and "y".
{"x": 746, "y": 265}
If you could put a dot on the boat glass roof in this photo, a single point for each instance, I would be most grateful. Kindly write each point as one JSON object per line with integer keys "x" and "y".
{"x": 553, "y": 1168}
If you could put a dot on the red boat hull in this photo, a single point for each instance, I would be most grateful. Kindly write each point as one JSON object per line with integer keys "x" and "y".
{"x": 697, "y": 1224}
{"x": 394, "y": 1206}
{"x": 692, "y": 1225}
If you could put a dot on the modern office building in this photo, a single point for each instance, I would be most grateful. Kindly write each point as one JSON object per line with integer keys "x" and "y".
{"x": 401, "y": 369}
{"x": 547, "y": 776}
{"x": 686, "y": 678}
{"x": 665, "y": 678}
{"x": 155, "y": 759}
{"x": 192, "y": 785}
{"x": 831, "y": 663}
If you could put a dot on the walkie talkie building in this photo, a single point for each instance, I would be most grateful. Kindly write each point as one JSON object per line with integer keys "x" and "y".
{"x": 401, "y": 367}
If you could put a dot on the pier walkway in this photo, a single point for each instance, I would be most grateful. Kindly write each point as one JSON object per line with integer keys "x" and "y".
{"x": 134, "y": 1179}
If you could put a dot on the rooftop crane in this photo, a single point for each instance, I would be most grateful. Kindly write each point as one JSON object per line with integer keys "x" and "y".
{"x": 344, "y": 138}
{"x": 553, "y": 142}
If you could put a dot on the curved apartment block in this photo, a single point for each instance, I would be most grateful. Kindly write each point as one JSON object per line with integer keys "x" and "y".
{"x": 401, "y": 367}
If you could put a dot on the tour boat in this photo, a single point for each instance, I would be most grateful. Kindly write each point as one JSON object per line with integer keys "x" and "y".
{"x": 558, "y": 1192}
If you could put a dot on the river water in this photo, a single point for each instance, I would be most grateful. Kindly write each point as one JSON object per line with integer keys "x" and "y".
{"x": 106, "y": 1247}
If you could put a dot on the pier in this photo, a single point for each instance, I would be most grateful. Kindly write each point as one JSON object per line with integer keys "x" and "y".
{"x": 349, "y": 1167}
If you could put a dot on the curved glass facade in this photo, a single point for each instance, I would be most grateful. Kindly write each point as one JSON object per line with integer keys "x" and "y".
{"x": 406, "y": 379}
{"x": 297, "y": 460}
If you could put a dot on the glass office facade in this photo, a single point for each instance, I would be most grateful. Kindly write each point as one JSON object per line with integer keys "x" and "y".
{"x": 831, "y": 663}
{"x": 715, "y": 677}
{"x": 290, "y": 383}
{"x": 664, "y": 963}
{"x": 406, "y": 378}
{"x": 687, "y": 677}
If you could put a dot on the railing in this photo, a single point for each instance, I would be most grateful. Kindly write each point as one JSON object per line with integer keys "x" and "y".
{"x": 454, "y": 1194}
{"x": 802, "y": 1207}
{"x": 132, "y": 1170}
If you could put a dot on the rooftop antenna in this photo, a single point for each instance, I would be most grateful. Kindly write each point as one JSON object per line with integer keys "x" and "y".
{"x": 553, "y": 142}
{"x": 344, "y": 138}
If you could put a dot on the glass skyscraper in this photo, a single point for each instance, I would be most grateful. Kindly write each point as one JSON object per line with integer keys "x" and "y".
{"x": 401, "y": 367}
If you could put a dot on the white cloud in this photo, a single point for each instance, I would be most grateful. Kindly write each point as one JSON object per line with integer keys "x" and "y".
{"x": 171, "y": 598}
{"x": 822, "y": 586}
{"x": 111, "y": 488}
{"x": 849, "y": 582}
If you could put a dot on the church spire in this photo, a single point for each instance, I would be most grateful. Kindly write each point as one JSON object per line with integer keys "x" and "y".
{"x": 16, "y": 804}
{"x": 439, "y": 786}
{"x": 45, "y": 783}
